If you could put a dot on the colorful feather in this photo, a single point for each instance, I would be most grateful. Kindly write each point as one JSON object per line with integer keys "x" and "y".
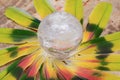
{"x": 5, "y": 71}
{"x": 48, "y": 71}
{"x": 22, "y": 17}
{"x": 28, "y": 60}
{"x": 91, "y": 74}
{"x": 75, "y": 7}
{"x": 43, "y": 8}
{"x": 16, "y": 36}
{"x": 15, "y": 52}
{"x": 107, "y": 44}
{"x": 34, "y": 68}
{"x": 105, "y": 62}
{"x": 63, "y": 71}
{"x": 98, "y": 19}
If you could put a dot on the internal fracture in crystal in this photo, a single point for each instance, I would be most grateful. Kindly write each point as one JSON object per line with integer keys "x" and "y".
{"x": 59, "y": 33}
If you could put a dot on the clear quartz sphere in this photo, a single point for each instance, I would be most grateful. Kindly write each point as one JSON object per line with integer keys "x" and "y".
{"x": 59, "y": 34}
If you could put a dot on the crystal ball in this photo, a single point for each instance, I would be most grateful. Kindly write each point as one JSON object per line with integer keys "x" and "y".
{"x": 59, "y": 33}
